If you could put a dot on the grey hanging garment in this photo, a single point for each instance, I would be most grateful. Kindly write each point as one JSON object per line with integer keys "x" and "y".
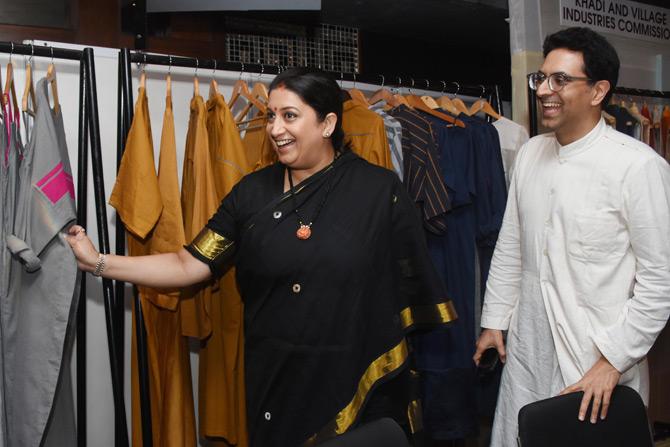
{"x": 38, "y": 313}
{"x": 7, "y": 163}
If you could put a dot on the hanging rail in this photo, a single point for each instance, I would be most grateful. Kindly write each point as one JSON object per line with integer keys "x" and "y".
{"x": 405, "y": 81}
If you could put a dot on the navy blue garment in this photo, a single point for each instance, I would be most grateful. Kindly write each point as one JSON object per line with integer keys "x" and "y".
{"x": 444, "y": 357}
{"x": 625, "y": 122}
{"x": 491, "y": 191}
{"x": 471, "y": 166}
{"x": 492, "y": 172}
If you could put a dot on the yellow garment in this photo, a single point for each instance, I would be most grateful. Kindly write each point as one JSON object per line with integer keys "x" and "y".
{"x": 137, "y": 194}
{"x": 222, "y": 406}
{"x": 229, "y": 159}
{"x": 260, "y": 152}
{"x": 365, "y": 130}
{"x": 199, "y": 202}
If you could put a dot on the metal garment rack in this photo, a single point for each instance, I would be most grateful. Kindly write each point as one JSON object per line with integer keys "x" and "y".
{"x": 124, "y": 120}
{"x": 89, "y": 127}
{"x": 532, "y": 101}
{"x": 398, "y": 81}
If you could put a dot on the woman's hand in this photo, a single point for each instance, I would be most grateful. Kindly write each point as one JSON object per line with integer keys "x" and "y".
{"x": 82, "y": 247}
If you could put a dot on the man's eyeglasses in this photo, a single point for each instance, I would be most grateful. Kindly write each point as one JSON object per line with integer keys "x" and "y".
{"x": 556, "y": 80}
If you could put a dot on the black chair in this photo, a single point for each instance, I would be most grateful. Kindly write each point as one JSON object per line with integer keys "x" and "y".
{"x": 553, "y": 422}
{"x": 380, "y": 433}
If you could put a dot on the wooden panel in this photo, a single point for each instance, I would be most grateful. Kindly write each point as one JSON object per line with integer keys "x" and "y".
{"x": 39, "y": 13}
{"x": 95, "y": 23}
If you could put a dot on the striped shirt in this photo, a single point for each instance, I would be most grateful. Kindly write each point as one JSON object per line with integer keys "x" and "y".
{"x": 394, "y": 136}
{"x": 422, "y": 176}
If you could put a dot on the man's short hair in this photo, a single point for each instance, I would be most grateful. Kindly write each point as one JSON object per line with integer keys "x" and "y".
{"x": 601, "y": 61}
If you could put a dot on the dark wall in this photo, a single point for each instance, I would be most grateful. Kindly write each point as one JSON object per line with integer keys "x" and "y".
{"x": 463, "y": 62}
{"x": 88, "y": 22}
{"x": 99, "y": 23}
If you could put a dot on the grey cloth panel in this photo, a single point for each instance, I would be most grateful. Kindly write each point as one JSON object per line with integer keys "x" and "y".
{"x": 37, "y": 312}
{"x": 4, "y": 262}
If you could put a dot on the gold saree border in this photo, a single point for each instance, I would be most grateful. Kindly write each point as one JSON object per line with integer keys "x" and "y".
{"x": 382, "y": 366}
{"x": 211, "y": 244}
{"x": 428, "y": 314}
{"x": 415, "y": 416}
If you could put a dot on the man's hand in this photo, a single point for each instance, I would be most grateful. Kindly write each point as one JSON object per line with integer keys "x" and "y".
{"x": 490, "y": 338}
{"x": 598, "y": 383}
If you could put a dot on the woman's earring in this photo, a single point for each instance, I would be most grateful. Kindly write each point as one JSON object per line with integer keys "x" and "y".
{"x": 326, "y": 135}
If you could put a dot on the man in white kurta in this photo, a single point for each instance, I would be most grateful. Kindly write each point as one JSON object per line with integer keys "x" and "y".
{"x": 580, "y": 277}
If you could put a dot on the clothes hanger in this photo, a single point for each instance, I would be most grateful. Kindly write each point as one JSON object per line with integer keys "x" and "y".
{"x": 213, "y": 86}
{"x": 358, "y": 95}
{"x": 418, "y": 104}
{"x": 445, "y": 102}
{"x": 238, "y": 88}
{"x": 51, "y": 79}
{"x": 196, "y": 83}
{"x": 429, "y": 100}
{"x": 29, "y": 90}
{"x": 9, "y": 83}
{"x": 458, "y": 102}
{"x": 241, "y": 89}
{"x": 383, "y": 94}
{"x": 143, "y": 75}
{"x": 400, "y": 98}
{"x": 261, "y": 92}
{"x": 632, "y": 108}
{"x": 168, "y": 78}
{"x": 260, "y": 97}
{"x": 482, "y": 105}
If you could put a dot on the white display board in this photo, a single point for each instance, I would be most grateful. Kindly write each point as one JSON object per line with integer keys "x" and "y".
{"x": 621, "y": 17}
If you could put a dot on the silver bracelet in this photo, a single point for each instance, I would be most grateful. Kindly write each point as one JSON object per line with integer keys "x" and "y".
{"x": 99, "y": 264}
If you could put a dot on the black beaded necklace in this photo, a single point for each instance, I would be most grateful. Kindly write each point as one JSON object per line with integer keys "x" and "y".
{"x": 305, "y": 229}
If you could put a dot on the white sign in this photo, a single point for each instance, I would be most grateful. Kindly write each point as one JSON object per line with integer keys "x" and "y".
{"x": 623, "y": 17}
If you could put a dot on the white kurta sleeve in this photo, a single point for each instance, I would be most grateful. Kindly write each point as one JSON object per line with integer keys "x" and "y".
{"x": 504, "y": 282}
{"x": 644, "y": 315}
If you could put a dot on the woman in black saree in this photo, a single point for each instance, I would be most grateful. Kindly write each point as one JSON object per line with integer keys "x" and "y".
{"x": 332, "y": 267}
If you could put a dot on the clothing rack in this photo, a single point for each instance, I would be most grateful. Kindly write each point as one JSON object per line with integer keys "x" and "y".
{"x": 124, "y": 120}
{"x": 532, "y": 101}
{"x": 394, "y": 80}
{"x": 88, "y": 128}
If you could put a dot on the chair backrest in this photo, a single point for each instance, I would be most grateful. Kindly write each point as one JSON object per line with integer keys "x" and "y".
{"x": 553, "y": 422}
{"x": 380, "y": 433}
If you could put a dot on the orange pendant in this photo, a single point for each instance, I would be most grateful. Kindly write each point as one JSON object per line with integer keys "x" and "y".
{"x": 304, "y": 232}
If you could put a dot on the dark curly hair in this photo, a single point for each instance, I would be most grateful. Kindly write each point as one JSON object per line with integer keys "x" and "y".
{"x": 320, "y": 91}
{"x": 601, "y": 61}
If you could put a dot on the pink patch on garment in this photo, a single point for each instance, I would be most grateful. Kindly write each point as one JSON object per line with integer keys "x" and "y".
{"x": 56, "y": 184}
{"x": 54, "y": 171}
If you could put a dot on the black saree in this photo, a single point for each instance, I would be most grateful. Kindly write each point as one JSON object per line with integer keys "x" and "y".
{"x": 325, "y": 317}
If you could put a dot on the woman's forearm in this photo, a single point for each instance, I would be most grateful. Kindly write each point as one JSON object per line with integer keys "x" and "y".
{"x": 167, "y": 270}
